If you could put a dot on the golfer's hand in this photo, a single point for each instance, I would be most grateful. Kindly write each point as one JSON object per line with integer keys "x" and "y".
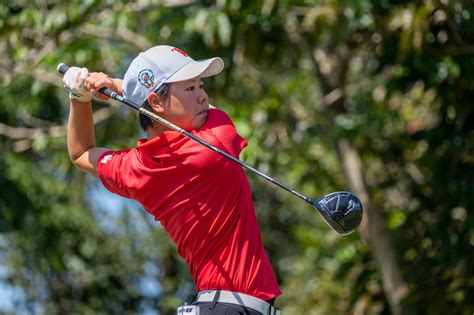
{"x": 97, "y": 80}
{"x": 73, "y": 81}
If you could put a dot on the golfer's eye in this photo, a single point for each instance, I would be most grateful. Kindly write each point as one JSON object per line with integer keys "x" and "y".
{"x": 191, "y": 88}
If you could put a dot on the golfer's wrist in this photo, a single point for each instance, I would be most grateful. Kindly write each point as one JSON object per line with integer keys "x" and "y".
{"x": 118, "y": 85}
{"x": 76, "y": 102}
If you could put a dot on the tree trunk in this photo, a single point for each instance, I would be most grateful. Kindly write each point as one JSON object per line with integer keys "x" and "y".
{"x": 373, "y": 230}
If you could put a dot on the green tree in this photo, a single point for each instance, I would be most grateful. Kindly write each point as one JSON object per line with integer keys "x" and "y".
{"x": 371, "y": 96}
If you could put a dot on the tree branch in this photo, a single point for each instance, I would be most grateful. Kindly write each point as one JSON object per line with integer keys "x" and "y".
{"x": 125, "y": 34}
{"x": 26, "y": 136}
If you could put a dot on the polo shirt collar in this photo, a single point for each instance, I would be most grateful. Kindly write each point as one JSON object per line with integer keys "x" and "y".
{"x": 149, "y": 146}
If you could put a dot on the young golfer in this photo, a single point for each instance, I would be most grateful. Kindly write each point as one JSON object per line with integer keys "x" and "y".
{"x": 202, "y": 199}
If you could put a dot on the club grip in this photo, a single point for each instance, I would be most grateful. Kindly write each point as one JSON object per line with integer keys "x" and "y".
{"x": 62, "y": 68}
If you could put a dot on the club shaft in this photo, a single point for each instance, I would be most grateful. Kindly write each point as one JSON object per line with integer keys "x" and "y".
{"x": 206, "y": 144}
{"x": 219, "y": 151}
{"x": 62, "y": 68}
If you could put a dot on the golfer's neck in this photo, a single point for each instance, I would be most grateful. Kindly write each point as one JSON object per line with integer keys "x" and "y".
{"x": 155, "y": 131}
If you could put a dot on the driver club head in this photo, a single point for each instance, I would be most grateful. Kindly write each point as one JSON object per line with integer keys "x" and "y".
{"x": 341, "y": 210}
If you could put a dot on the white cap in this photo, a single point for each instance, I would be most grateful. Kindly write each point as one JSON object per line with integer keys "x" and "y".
{"x": 164, "y": 64}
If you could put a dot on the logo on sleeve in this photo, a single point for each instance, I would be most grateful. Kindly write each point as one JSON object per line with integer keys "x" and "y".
{"x": 106, "y": 158}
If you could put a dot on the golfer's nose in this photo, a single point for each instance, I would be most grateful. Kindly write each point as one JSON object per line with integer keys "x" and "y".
{"x": 202, "y": 97}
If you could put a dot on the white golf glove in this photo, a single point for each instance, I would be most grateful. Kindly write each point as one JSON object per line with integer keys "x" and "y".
{"x": 74, "y": 82}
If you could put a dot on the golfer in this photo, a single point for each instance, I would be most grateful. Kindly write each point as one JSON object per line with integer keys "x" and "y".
{"x": 202, "y": 199}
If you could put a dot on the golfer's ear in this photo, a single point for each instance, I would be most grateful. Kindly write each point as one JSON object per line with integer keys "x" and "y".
{"x": 155, "y": 102}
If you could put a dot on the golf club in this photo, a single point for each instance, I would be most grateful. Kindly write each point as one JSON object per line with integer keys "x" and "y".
{"x": 342, "y": 211}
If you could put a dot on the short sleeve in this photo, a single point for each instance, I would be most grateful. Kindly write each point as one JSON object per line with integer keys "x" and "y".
{"x": 222, "y": 127}
{"x": 114, "y": 172}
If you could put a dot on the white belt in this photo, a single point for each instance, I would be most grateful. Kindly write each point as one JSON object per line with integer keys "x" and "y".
{"x": 240, "y": 299}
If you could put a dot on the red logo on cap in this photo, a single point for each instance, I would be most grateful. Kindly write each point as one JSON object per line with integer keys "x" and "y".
{"x": 180, "y": 51}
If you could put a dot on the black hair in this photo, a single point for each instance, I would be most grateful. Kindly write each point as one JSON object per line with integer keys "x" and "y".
{"x": 145, "y": 121}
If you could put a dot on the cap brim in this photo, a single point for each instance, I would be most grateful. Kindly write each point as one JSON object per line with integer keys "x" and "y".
{"x": 202, "y": 68}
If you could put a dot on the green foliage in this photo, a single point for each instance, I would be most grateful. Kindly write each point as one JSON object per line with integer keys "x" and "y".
{"x": 394, "y": 77}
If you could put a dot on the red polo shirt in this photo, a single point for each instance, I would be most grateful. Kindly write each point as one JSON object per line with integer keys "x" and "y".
{"x": 202, "y": 199}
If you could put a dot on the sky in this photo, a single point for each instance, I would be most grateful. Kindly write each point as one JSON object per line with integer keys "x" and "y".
{"x": 6, "y": 292}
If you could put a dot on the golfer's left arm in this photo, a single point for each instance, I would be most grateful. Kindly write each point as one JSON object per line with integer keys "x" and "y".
{"x": 81, "y": 142}
{"x": 81, "y": 138}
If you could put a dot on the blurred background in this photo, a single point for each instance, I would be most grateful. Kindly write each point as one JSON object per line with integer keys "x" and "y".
{"x": 375, "y": 97}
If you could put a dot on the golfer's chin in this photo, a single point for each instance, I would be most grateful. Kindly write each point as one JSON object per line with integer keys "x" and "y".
{"x": 200, "y": 120}
{"x": 196, "y": 123}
